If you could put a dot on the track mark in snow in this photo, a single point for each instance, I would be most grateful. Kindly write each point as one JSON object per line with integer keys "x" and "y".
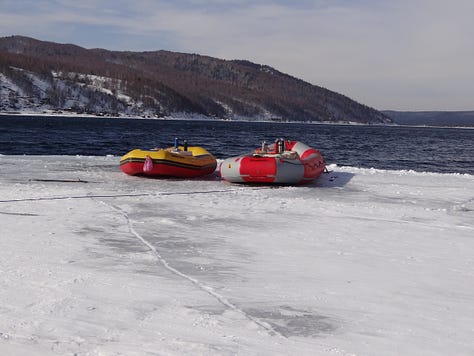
{"x": 221, "y": 299}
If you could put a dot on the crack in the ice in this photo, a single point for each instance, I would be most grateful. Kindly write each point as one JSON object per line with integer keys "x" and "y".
{"x": 209, "y": 290}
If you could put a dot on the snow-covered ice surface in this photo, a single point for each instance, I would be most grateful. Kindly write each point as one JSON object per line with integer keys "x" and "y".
{"x": 362, "y": 262}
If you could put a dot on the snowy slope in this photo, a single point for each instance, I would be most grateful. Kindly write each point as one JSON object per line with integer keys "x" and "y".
{"x": 12, "y": 97}
{"x": 62, "y": 92}
{"x": 362, "y": 262}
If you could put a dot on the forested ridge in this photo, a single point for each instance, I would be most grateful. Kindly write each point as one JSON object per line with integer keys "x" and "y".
{"x": 39, "y": 75}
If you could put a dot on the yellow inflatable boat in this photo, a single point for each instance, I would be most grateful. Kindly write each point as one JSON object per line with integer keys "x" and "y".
{"x": 178, "y": 161}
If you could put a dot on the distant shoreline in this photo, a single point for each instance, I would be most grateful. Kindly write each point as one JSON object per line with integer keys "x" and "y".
{"x": 184, "y": 117}
{"x": 404, "y": 122}
{"x": 432, "y": 118}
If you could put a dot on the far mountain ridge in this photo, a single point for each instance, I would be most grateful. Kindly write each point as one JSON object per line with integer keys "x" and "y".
{"x": 38, "y": 75}
{"x": 432, "y": 118}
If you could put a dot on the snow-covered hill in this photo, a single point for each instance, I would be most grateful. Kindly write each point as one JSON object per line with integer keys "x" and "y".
{"x": 44, "y": 76}
{"x": 67, "y": 93}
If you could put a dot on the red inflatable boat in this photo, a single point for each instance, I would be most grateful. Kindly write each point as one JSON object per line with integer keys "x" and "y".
{"x": 284, "y": 162}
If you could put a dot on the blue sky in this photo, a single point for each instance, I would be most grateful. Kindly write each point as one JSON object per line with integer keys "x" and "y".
{"x": 400, "y": 55}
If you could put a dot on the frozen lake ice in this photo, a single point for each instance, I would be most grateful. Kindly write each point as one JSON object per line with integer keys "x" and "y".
{"x": 361, "y": 262}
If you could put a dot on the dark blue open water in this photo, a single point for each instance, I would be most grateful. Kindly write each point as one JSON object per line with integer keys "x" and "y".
{"x": 429, "y": 149}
